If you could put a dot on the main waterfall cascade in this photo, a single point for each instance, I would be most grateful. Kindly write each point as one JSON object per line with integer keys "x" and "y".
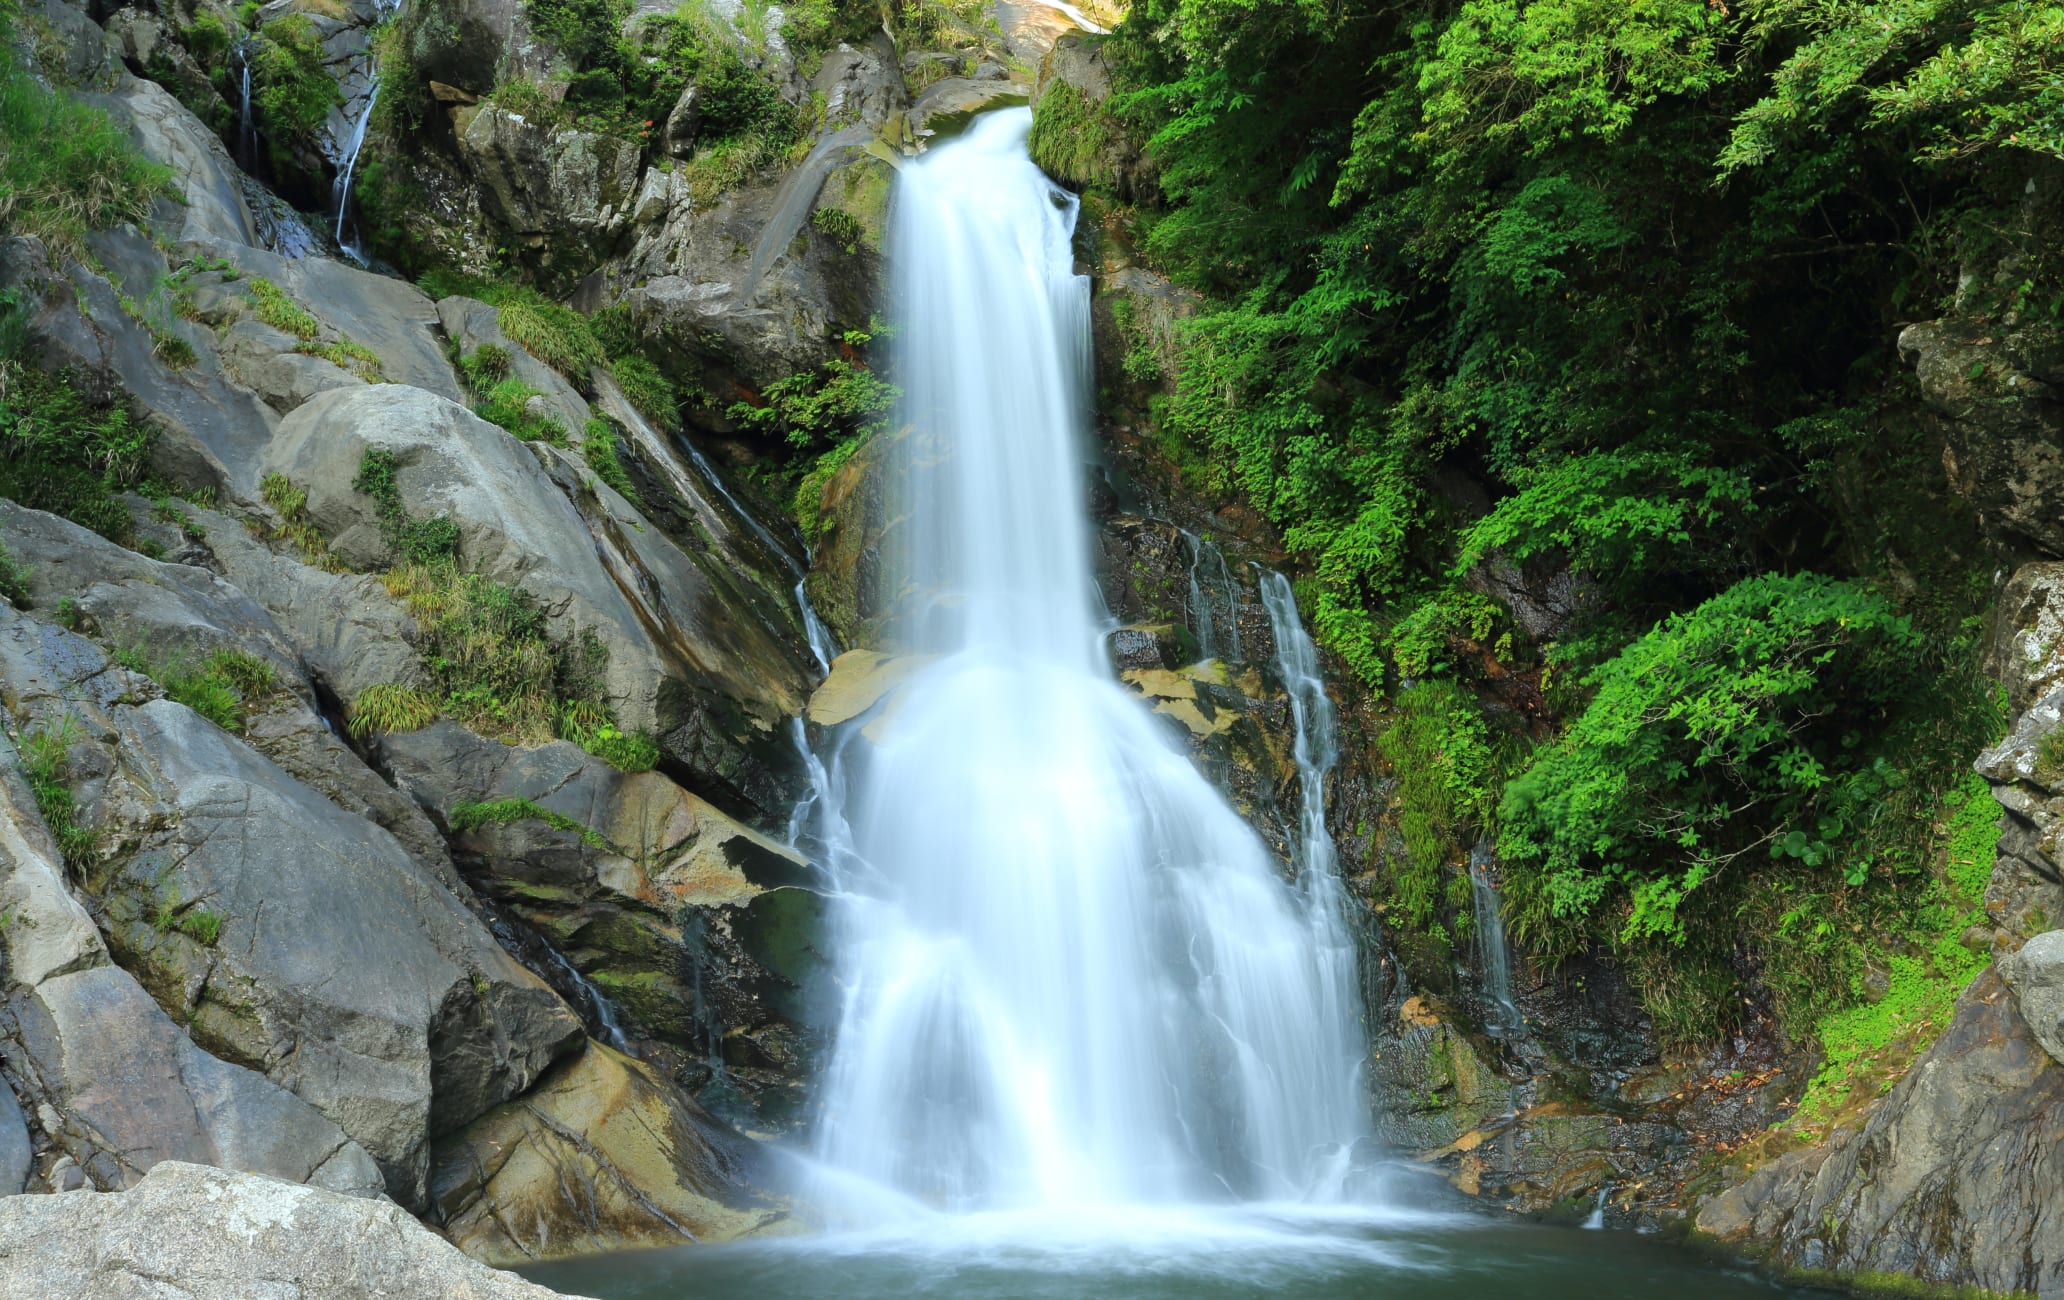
{"x": 1071, "y": 974}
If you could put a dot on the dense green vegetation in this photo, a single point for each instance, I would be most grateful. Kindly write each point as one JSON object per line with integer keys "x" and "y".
{"x": 65, "y": 169}
{"x": 1556, "y": 337}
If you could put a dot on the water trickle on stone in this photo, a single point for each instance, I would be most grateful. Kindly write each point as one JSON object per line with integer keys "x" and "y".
{"x": 1214, "y": 600}
{"x": 1072, "y": 975}
{"x": 1493, "y": 954}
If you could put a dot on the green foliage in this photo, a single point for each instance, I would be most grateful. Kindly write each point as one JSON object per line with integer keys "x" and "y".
{"x": 502, "y": 812}
{"x": 588, "y": 725}
{"x": 558, "y": 336}
{"x": 413, "y": 541}
{"x": 809, "y": 494}
{"x": 14, "y": 579}
{"x": 1962, "y": 75}
{"x": 1071, "y": 136}
{"x": 840, "y": 227}
{"x": 275, "y": 308}
{"x": 388, "y": 706}
{"x": 290, "y": 501}
{"x": 66, "y": 454}
{"x": 651, "y": 392}
{"x": 496, "y": 666}
{"x": 44, "y": 751}
{"x": 842, "y": 398}
{"x": 1442, "y": 750}
{"x": 1553, "y": 337}
{"x": 1746, "y": 725}
{"x": 202, "y": 926}
{"x": 223, "y": 688}
{"x": 291, "y": 87}
{"x": 598, "y": 448}
{"x": 65, "y": 168}
{"x": 348, "y": 354}
{"x": 508, "y": 405}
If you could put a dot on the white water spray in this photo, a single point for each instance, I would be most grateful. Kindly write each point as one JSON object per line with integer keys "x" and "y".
{"x": 1073, "y": 975}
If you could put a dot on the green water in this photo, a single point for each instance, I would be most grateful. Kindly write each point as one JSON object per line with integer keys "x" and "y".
{"x": 1205, "y": 1254}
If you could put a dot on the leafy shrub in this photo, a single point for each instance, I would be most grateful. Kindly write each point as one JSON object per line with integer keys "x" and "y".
{"x": 841, "y": 398}
{"x": 291, "y": 87}
{"x": 1740, "y": 727}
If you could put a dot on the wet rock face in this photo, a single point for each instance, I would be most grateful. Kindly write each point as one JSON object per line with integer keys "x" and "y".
{"x": 701, "y": 932}
{"x": 1953, "y": 1180}
{"x": 601, "y": 1156}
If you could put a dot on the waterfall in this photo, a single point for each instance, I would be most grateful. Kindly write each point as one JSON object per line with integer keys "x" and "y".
{"x": 1493, "y": 954}
{"x": 1072, "y": 975}
{"x": 350, "y": 165}
{"x": 822, "y": 646}
{"x": 1317, "y": 747}
{"x": 247, "y": 130}
{"x": 347, "y": 162}
{"x": 1211, "y": 583}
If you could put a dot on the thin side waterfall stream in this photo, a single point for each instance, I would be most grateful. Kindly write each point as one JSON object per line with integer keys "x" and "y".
{"x": 1093, "y": 1039}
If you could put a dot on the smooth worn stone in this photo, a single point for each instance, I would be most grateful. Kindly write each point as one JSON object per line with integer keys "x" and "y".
{"x": 2036, "y": 974}
{"x": 190, "y": 1231}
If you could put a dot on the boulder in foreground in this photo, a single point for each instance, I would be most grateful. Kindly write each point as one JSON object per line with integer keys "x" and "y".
{"x": 187, "y": 1230}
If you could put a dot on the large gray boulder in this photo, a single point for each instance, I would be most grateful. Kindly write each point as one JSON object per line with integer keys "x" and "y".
{"x": 473, "y": 325}
{"x": 516, "y": 526}
{"x": 121, "y": 1087}
{"x": 607, "y": 571}
{"x": 290, "y": 935}
{"x": 2036, "y": 974}
{"x": 187, "y": 1230}
{"x": 178, "y": 615}
{"x": 210, "y": 429}
{"x": 548, "y": 183}
{"x": 601, "y": 1156}
{"x": 2026, "y": 894}
{"x": 165, "y": 131}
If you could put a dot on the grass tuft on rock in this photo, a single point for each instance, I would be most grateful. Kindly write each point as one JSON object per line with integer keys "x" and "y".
{"x": 389, "y": 707}
{"x": 44, "y": 751}
{"x": 502, "y": 812}
{"x": 65, "y": 168}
